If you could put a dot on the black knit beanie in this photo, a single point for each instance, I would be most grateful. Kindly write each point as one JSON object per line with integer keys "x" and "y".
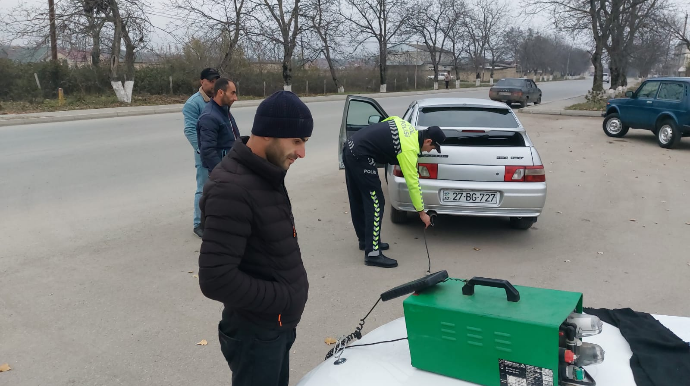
{"x": 283, "y": 115}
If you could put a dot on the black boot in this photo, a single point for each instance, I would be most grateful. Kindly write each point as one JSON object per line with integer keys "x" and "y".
{"x": 380, "y": 261}
{"x": 199, "y": 231}
{"x": 382, "y": 246}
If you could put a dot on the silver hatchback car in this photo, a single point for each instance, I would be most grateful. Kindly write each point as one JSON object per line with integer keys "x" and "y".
{"x": 488, "y": 165}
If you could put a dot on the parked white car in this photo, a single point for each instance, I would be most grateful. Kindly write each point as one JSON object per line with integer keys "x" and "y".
{"x": 607, "y": 78}
{"x": 441, "y": 77}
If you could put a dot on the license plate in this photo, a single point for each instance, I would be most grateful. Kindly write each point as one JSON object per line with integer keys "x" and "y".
{"x": 504, "y": 93}
{"x": 466, "y": 197}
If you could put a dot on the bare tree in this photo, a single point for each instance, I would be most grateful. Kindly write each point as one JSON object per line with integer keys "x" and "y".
{"x": 481, "y": 23}
{"x": 377, "y": 20}
{"x": 627, "y": 18}
{"x": 326, "y": 22}
{"x": 456, "y": 36}
{"x": 590, "y": 17}
{"x": 221, "y": 20}
{"x": 427, "y": 20}
{"x": 278, "y": 22}
{"x": 496, "y": 37}
{"x": 96, "y": 13}
{"x": 78, "y": 24}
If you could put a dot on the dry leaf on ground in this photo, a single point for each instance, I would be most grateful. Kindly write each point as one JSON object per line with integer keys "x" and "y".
{"x": 195, "y": 276}
{"x": 202, "y": 343}
{"x": 5, "y": 367}
{"x": 190, "y": 272}
{"x": 477, "y": 249}
{"x": 633, "y": 220}
{"x": 600, "y": 253}
{"x": 330, "y": 341}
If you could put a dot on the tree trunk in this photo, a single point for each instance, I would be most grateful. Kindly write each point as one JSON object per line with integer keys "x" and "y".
{"x": 95, "y": 48}
{"x": 598, "y": 83}
{"x": 383, "y": 57}
{"x": 117, "y": 37}
{"x": 331, "y": 67}
{"x": 227, "y": 58}
{"x": 287, "y": 71}
{"x": 129, "y": 54}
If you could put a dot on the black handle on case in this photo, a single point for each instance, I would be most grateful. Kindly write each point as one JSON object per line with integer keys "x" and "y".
{"x": 511, "y": 293}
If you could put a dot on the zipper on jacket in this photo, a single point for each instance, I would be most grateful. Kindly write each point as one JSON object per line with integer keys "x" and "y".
{"x": 292, "y": 219}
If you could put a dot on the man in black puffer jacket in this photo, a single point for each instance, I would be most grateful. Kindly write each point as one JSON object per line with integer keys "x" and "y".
{"x": 250, "y": 258}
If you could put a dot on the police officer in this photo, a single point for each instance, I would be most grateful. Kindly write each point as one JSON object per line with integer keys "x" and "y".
{"x": 395, "y": 142}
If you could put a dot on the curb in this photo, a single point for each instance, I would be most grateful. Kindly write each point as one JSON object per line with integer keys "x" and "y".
{"x": 570, "y": 113}
{"x": 80, "y": 115}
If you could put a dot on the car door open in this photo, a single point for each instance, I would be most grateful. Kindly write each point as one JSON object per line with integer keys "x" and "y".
{"x": 359, "y": 113}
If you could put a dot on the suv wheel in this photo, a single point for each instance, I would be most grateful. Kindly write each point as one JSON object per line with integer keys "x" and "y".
{"x": 522, "y": 222}
{"x": 398, "y": 216}
{"x": 668, "y": 134}
{"x": 614, "y": 127}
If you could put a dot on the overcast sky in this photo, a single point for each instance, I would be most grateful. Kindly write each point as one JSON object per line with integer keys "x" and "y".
{"x": 539, "y": 22}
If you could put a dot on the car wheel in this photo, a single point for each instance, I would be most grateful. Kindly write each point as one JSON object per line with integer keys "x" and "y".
{"x": 668, "y": 134}
{"x": 522, "y": 222}
{"x": 523, "y": 104}
{"x": 614, "y": 127}
{"x": 538, "y": 101}
{"x": 398, "y": 216}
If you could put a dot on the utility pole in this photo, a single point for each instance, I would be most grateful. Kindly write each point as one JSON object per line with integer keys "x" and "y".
{"x": 53, "y": 33}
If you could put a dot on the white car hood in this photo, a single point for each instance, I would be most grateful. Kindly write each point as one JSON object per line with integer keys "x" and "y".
{"x": 388, "y": 364}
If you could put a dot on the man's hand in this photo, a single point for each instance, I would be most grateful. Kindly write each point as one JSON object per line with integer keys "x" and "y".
{"x": 425, "y": 219}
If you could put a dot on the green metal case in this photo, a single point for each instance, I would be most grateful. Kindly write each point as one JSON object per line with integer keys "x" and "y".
{"x": 484, "y": 338}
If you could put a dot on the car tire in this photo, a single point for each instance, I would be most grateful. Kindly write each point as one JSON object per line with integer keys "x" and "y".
{"x": 523, "y": 104}
{"x": 522, "y": 222}
{"x": 538, "y": 101}
{"x": 614, "y": 127}
{"x": 668, "y": 135}
{"x": 398, "y": 216}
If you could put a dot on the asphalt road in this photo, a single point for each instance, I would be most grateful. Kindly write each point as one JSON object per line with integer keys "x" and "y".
{"x": 96, "y": 243}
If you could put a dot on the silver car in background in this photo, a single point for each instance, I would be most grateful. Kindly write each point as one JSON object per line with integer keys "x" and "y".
{"x": 488, "y": 165}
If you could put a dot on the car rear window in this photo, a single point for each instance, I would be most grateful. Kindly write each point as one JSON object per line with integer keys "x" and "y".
{"x": 511, "y": 83}
{"x": 492, "y": 138}
{"x": 467, "y": 117}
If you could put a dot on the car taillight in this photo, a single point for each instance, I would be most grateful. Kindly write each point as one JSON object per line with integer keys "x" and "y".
{"x": 524, "y": 174}
{"x": 428, "y": 171}
{"x": 517, "y": 93}
{"x": 535, "y": 174}
{"x": 397, "y": 172}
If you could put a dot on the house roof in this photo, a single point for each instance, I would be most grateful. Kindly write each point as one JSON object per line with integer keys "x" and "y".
{"x": 24, "y": 54}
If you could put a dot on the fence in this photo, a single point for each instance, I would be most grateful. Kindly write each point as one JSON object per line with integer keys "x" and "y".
{"x": 35, "y": 82}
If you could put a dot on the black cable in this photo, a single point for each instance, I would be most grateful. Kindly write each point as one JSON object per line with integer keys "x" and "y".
{"x": 375, "y": 343}
{"x": 428, "y": 272}
{"x": 357, "y": 334}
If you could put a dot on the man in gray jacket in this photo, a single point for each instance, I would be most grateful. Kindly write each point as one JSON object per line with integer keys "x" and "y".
{"x": 192, "y": 110}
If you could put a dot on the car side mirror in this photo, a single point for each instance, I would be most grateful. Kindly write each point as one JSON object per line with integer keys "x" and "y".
{"x": 628, "y": 94}
{"x": 374, "y": 119}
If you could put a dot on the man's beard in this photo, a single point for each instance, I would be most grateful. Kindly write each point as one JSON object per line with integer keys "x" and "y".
{"x": 275, "y": 156}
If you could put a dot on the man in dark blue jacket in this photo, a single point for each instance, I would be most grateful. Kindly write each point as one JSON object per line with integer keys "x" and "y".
{"x": 216, "y": 129}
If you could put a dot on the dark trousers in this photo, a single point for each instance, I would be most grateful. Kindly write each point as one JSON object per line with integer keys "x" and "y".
{"x": 366, "y": 199}
{"x": 256, "y": 356}
{"x": 447, "y": 83}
